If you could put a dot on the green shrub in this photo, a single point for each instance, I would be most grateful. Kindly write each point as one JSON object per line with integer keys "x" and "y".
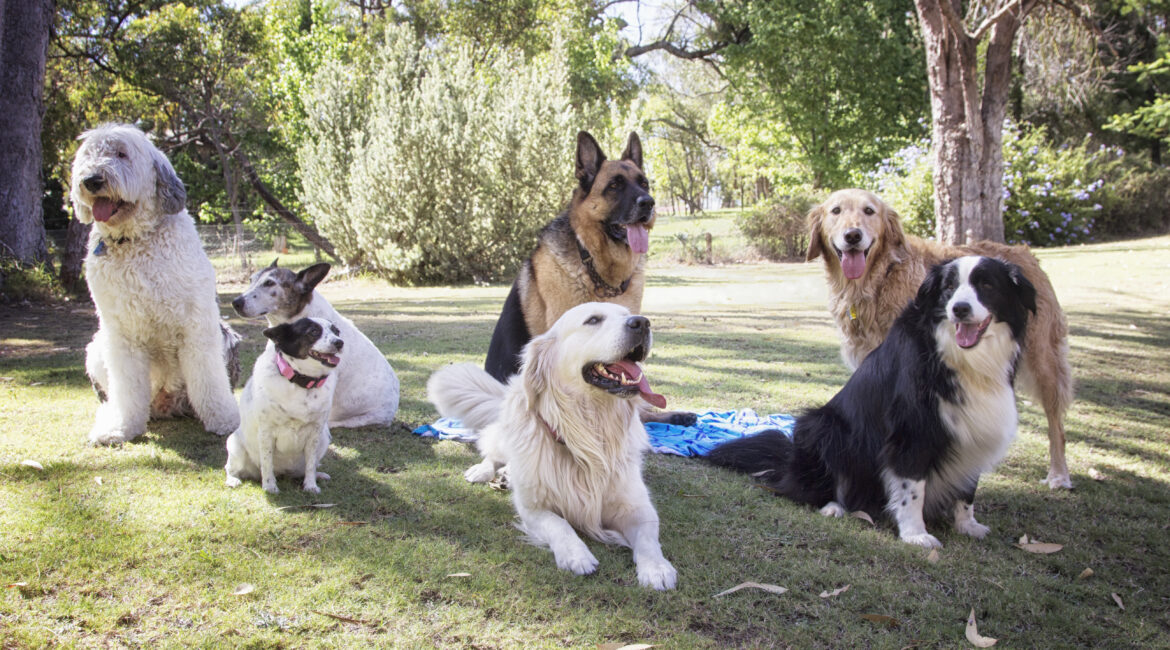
{"x": 1049, "y": 199}
{"x": 1136, "y": 195}
{"x": 20, "y": 282}
{"x": 425, "y": 166}
{"x": 905, "y": 181}
{"x": 776, "y": 228}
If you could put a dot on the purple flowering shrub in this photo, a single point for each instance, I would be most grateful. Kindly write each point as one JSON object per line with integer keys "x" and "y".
{"x": 1049, "y": 196}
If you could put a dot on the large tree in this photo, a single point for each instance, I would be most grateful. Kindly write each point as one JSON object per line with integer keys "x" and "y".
{"x": 24, "y": 42}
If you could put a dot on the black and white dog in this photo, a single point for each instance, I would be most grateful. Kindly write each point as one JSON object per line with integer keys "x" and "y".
{"x": 285, "y": 406}
{"x": 925, "y": 414}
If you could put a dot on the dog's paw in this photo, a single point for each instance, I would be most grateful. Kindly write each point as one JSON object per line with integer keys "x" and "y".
{"x": 925, "y": 540}
{"x": 834, "y": 509}
{"x": 270, "y": 487}
{"x": 222, "y": 426}
{"x": 580, "y": 562}
{"x": 657, "y": 575}
{"x": 683, "y": 419}
{"x": 481, "y": 472}
{"x": 111, "y": 435}
{"x": 232, "y": 481}
{"x": 973, "y": 528}
{"x": 311, "y": 488}
{"x": 1057, "y": 481}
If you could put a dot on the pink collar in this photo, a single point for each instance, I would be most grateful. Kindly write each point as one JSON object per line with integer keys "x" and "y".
{"x": 304, "y": 381}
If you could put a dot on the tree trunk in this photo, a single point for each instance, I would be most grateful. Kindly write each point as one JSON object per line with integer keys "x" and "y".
{"x": 24, "y": 42}
{"x": 76, "y": 242}
{"x": 967, "y": 116}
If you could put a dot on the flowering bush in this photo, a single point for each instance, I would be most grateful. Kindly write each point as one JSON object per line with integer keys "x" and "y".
{"x": 1049, "y": 197}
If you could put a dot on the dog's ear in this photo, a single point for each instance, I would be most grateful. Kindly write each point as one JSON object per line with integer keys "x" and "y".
{"x": 169, "y": 190}
{"x": 932, "y": 286}
{"x": 82, "y": 211}
{"x": 274, "y": 261}
{"x": 279, "y": 333}
{"x": 1024, "y": 286}
{"x": 308, "y": 279}
{"x": 539, "y": 361}
{"x": 815, "y": 241}
{"x": 892, "y": 233}
{"x": 589, "y": 159}
{"x": 633, "y": 152}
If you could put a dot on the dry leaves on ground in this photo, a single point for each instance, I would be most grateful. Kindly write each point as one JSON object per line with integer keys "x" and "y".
{"x": 1036, "y": 546}
{"x": 752, "y": 585}
{"x": 244, "y": 589}
{"x": 973, "y": 633}
{"x": 888, "y": 621}
{"x": 862, "y": 515}
{"x": 1117, "y": 599}
{"x": 835, "y": 592}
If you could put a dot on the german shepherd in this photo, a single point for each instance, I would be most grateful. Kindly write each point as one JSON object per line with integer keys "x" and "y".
{"x": 592, "y": 252}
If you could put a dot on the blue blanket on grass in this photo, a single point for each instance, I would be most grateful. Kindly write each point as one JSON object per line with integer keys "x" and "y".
{"x": 713, "y": 429}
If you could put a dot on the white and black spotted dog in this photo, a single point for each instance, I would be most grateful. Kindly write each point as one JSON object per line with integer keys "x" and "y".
{"x": 285, "y": 406}
{"x": 924, "y": 415}
{"x": 367, "y": 391}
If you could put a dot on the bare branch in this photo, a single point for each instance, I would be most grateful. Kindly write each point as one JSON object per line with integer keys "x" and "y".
{"x": 1016, "y": 6}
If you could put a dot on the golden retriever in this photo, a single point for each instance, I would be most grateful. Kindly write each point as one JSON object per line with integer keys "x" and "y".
{"x": 874, "y": 269}
{"x": 567, "y": 427}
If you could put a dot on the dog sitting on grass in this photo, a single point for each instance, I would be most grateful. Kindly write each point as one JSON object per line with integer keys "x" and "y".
{"x": 285, "y": 406}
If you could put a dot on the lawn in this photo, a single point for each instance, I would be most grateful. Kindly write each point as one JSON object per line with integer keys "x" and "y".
{"x": 142, "y": 545}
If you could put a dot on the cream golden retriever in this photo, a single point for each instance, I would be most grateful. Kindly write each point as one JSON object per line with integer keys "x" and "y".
{"x": 874, "y": 269}
{"x": 567, "y": 427}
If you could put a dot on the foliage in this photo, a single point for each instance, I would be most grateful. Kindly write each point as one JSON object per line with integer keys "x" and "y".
{"x": 680, "y": 152}
{"x": 427, "y": 167}
{"x": 20, "y": 281}
{"x": 760, "y": 156}
{"x": 1135, "y": 196}
{"x": 776, "y": 228}
{"x": 844, "y": 78}
{"x": 1151, "y": 120}
{"x": 905, "y": 181}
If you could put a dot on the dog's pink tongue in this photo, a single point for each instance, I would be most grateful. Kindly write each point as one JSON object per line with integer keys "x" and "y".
{"x": 631, "y": 369}
{"x": 966, "y": 334}
{"x": 638, "y": 237}
{"x": 103, "y": 209}
{"x": 853, "y": 264}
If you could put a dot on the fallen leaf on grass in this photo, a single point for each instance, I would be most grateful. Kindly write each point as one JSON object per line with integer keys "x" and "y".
{"x": 16, "y": 585}
{"x": 308, "y": 505}
{"x": 973, "y": 633}
{"x": 888, "y": 621}
{"x": 243, "y": 589}
{"x": 1040, "y": 547}
{"x": 1023, "y": 539}
{"x": 933, "y": 557}
{"x": 97, "y": 479}
{"x": 623, "y": 646}
{"x": 339, "y": 617}
{"x": 754, "y": 585}
{"x": 862, "y": 515}
{"x": 458, "y": 575}
{"x": 1095, "y": 475}
{"x": 835, "y": 592}
{"x": 1085, "y": 574}
{"x": 33, "y": 464}
{"x": 1117, "y": 599}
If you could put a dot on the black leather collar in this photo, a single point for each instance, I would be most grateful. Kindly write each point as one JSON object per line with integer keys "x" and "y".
{"x": 601, "y": 288}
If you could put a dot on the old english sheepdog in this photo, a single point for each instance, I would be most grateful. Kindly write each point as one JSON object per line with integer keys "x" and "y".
{"x": 161, "y": 348}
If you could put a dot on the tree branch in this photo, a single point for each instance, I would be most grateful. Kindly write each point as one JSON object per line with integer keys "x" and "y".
{"x": 997, "y": 16}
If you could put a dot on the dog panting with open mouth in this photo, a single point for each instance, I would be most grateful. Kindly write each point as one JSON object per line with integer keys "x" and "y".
{"x": 161, "y": 348}
{"x": 568, "y": 429}
{"x": 874, "y": 268}
{"x": 924, "y": 415}
{"x": 367, "y": 388}
{"x": 285, "y": 406}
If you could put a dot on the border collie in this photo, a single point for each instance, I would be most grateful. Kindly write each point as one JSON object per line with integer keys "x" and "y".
{"x": 924, "y": 415}
{"x": 284, "y": 408}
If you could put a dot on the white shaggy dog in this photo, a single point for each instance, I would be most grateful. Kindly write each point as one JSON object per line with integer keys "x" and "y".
{"x": 160, "y": 340}
{"x": 568, "y": 429}
{"x": 367, "y": 391}
{"x": 285, "y": 406}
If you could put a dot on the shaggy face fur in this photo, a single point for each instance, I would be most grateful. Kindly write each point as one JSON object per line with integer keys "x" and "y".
{"x": 285, "y": 406}
{"x": 925, "y": 414}
{"x": 569, "y": 432}
{"x": 160, "y": 340}
{"x": 368, "y": 389}
{"x": 873, "y": 269}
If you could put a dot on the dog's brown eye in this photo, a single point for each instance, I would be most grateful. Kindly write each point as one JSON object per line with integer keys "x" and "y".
{"x": 836, "y": 210}
{"x": 121, "y": 154}
{"x": 268, "y": 283}
{"x": 615, "y": 183}
{"x": 868, "y": 210}
{"x": 593, "y": 320}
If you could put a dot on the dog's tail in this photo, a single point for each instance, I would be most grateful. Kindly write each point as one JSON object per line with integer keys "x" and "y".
{"x": 765, "y": 454}
{"x": 465, "y": 391}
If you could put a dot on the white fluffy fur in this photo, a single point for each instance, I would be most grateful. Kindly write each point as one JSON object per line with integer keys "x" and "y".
{"x": 284, "y": 428}
{"x": 154, "y": 289}
{"x": 368, "y": 389}
{"x": 592, "y": 481}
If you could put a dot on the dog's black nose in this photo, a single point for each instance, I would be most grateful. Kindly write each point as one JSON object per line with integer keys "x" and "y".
{"x": 645, "y": 202}
{"x": 93, "y": 183}
{"x": 238, "y": 303}
{"x": 853, "y": 237}
{"x": 961, "y": 310}
{"x": 338, "y": 344}
{"x": 638, "y": 323}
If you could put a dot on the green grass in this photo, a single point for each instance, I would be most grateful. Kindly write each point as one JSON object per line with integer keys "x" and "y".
{"x": 142, "y": 545}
